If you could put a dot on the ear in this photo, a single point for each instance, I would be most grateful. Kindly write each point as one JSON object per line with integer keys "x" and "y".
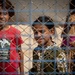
{"x": 52, "y": 31}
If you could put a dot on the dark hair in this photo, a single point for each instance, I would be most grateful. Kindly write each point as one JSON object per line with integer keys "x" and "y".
{"x": 72, "y": 4}
{"x": 44, "y": 20}
{"x": 7, "y": 5}
{"x": 68, "y": 25}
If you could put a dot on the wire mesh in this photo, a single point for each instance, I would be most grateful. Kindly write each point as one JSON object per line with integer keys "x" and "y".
{"x": 26, "y": 11}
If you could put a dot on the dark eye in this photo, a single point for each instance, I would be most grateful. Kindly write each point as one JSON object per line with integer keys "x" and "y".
{"x": 35, "y": 32}
{"x": 42, "y": 31}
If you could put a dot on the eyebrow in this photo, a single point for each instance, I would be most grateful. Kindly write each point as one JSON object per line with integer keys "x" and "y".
{"x": 34, "y": 28}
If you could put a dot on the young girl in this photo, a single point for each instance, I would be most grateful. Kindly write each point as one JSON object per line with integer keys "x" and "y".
{"x": 69, "y": 39}
{"x": 10, "y": 42}
{"x": 47, "y": 57}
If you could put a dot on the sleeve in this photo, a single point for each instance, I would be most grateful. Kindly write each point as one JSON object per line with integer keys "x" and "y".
{"x": 35, "y": 58}
{"x": 61, "y": 60}
{"x": 34, "y": 68}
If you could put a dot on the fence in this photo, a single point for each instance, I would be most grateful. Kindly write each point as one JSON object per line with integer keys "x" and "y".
{"x": 26, "y": 11}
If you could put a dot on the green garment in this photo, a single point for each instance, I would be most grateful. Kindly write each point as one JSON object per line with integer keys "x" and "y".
{"x": 45, "y": 61}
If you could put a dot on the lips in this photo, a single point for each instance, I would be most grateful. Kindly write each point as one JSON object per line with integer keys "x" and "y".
{"x": 1, "y": 21}
{"x": 40, "y": 40}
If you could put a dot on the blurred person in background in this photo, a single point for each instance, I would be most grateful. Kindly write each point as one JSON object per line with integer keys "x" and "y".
{"x": 68, "y": 43}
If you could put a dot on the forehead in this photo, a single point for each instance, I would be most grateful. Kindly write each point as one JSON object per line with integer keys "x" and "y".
{"x": 72, "y": 18}
{"x": 39, "y": 27}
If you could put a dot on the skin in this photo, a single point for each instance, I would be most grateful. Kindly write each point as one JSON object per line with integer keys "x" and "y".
{"x": 72, "y": 33}
{"x": 42, "y": 35}
{"x": 72, "y": 30}
{"x": 4, "y": 18}
{"x": 20, "y": 52}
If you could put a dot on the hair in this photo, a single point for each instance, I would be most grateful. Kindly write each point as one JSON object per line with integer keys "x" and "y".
{"x": 68, "y": 25}
{"x": 44, "y": 20}
{"x": 72, "y": 4}
{"x": 7, "y": 5}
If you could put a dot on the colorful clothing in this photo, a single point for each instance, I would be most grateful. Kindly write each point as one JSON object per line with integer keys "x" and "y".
{"x": 68, "y": 46}
{"x": 67, "y": 41}
{"x": 9, "y": 58}
{"x": 49, "y": 60}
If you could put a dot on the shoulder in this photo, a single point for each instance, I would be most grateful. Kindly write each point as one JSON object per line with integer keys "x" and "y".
{"x": 14, "y": 30}
{"x": 60, "y": 53}
{"x": 58, "y": 50}
{"x": 37, "y": 48}
{"x": 54, "y": 47}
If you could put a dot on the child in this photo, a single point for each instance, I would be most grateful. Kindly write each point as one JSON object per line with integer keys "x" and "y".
{"x": 69, "y": 28}
{"x": 46, "y": 54}
{"x": 69, "y": 39}
{"x": 10, "y": 42}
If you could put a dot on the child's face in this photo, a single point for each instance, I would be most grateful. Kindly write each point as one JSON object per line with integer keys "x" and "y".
{"x": 72, "y": 20}
{"x": 42, "y": 34}
{"x": 4, "y": 17}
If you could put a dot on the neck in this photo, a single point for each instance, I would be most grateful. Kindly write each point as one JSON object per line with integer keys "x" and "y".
{"x": 5, "y": 28}
{"x": 48, "y": 43}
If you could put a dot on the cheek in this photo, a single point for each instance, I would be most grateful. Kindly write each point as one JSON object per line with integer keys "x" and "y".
{"x": 46, "y": 35}
{"x": 47, "y": 38}
{"x": 7, "y": 17}
{"x": 35, "y": 36}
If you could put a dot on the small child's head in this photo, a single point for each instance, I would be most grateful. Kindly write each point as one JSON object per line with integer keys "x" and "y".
{"x": 6, "y": 5}
{"x": 69, "y": 29}
{"x": 6, "y": 12}
{"x": 43, "y": 28}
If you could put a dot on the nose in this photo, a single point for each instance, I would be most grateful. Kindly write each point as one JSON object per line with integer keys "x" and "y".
{"x": 38, "y": 35}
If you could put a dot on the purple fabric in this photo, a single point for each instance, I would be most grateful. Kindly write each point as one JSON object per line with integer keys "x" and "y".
{"x": 72, "y": 38}
{"x": 66, "y": 42}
